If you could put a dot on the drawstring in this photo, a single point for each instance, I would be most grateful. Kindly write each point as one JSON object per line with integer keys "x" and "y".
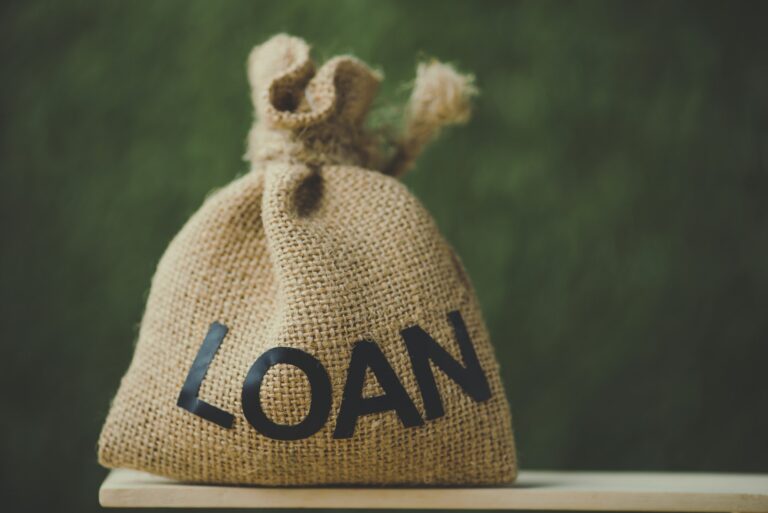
{"x": 441, "y": 96}
{"x": 310, "y": 115}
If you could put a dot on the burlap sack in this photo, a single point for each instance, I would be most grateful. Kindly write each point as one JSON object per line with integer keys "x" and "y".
{"x": 321, "y": 252}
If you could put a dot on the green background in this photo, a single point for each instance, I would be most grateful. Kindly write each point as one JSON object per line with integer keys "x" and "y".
{"x": 608, "y": 199}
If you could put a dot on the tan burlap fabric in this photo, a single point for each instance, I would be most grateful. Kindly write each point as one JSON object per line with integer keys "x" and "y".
{"x": 314, "y": 249}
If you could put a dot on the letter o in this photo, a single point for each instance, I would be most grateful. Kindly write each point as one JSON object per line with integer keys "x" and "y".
{"x": 319, "y": 382}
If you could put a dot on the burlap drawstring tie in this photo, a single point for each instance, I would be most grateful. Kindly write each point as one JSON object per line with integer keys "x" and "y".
{"x": 317, "y": 117}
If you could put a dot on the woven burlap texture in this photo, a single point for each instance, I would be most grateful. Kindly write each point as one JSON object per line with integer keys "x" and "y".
{"x": 315, "y": 249}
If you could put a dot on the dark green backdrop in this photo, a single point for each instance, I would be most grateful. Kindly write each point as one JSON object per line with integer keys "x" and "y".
{"x": 608, "y": 199}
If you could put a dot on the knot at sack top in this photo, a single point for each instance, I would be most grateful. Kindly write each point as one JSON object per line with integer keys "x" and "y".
{"x": 316, "y": 117}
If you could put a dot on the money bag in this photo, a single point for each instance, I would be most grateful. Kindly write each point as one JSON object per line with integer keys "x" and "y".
{"x": 309, "y": 324}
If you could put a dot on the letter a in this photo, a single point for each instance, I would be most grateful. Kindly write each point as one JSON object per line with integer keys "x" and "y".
{"x": 366, "y": 355}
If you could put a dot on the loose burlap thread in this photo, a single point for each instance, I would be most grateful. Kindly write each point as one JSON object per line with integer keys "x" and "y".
{"x": 317, "y": 247}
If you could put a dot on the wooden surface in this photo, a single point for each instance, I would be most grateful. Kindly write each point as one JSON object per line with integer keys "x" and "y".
{"x": 535, "y": 490}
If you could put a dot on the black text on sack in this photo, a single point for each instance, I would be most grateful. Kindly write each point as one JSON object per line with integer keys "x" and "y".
{"x": 424, "y": 352}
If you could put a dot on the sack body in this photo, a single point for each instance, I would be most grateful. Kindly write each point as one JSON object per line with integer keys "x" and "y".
{"x": 309, "y": 324}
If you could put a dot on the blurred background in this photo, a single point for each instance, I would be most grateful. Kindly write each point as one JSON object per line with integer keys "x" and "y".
{"x": 608, "y": 199}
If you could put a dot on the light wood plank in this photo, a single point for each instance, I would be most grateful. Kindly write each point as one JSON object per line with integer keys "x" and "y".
{"x": 535, "y": 490}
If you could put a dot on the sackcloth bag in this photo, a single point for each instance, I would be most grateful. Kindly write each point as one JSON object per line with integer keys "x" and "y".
{"x": 309, "y": 324}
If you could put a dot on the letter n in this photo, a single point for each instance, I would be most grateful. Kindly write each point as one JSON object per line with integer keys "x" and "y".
{"x": 423, "y": 349}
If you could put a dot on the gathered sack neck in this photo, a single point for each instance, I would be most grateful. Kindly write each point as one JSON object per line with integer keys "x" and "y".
{"x": 317, "y": 117}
